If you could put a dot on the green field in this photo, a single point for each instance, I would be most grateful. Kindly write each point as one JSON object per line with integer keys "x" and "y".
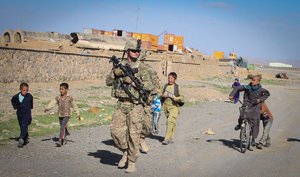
{"x": 49, "y": 124}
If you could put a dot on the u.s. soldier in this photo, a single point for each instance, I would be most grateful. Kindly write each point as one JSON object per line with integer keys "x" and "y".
{"x": 126, "y": 125}
{"x": 146, "y": 119}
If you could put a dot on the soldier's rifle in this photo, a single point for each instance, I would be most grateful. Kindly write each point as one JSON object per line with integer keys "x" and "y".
{"x": 130, "y": 72}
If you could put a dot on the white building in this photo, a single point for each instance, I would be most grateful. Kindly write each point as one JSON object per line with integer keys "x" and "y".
{"x": 280, "y": 65}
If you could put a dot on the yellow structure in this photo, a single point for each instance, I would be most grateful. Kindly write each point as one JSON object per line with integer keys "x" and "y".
{"x": 137, "y": 35}
{"x": 173, "y": 43}
{"x": 218, "y": 55}
{"x": 108, "y": 33}
{"x": 232, "y": 55}
{"x": 149, "y": 41}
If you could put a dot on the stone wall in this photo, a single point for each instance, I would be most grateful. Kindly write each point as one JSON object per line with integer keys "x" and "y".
{"x": 194, "y": 71}
{"x": 17, "y": 65}
{"x": 33, "y": 66}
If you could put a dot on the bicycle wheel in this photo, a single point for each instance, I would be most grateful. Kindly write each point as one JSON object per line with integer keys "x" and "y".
{"x": 249, "y": 134}
{"x": 244, "y": 136}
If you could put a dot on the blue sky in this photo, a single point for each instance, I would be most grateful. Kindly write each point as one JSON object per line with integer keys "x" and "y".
{"x": 259, "y": 30}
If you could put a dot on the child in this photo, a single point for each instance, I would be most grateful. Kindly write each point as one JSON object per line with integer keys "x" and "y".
{"x": 267, "y": 119}
{"x": 254, "y": 96}
{"x": 65, "y": 102}
{"x": 236, "y": 83}
{"x": 23, "y": 103}
{"x": 156, "y": 108}
{"x": 171, "y": 98}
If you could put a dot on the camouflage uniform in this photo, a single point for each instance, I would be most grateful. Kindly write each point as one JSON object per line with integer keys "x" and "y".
{"x": 126, "y": 124}
{"x": 147, "y": 108}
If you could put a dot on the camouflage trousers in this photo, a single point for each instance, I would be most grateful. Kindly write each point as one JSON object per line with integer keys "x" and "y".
{"x": 126, "y": 127}
{"x": 146, "y": 121}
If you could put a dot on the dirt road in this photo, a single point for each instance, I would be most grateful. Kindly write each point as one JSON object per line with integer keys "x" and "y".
{"x": 91, "y": 152}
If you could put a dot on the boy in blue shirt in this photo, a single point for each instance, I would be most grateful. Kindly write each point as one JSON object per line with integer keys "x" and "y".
{"x": 156, "y": 109}
{"x": 23, "y": 103}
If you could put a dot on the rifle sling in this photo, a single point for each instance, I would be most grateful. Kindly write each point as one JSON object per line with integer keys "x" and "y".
{"x": 131, "y": 96}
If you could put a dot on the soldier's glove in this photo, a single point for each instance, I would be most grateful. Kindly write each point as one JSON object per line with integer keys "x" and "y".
{"x": 118, "y": 72}
{"x": 127, "y": 80}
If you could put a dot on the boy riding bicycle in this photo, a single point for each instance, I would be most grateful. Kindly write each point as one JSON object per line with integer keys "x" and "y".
{"x": 254, "y": 96}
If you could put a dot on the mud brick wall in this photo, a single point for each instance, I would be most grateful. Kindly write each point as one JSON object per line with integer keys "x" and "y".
{"x": 32, "y": 66}
{"x": 17, "y": 65}
{"x": 194, "y": 71}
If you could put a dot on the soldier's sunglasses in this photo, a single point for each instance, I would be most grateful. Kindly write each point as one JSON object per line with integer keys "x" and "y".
{"x": 135, "y": 51}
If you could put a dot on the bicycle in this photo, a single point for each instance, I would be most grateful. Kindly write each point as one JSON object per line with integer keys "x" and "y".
{"x": 246, "y": 130}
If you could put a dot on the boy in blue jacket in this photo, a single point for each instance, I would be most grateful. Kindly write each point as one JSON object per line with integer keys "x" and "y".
{"x": 23, "y": 103}
{"x": 156, "y": 109}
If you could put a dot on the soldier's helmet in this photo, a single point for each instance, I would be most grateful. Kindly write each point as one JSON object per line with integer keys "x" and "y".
{"x": 133, "y": 45}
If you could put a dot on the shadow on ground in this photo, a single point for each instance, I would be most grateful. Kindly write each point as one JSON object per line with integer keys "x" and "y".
{"x": 233, "y": 143}
{"x": 55, "y": 139}
{"x": 106, "y": 157}
{"x": 293, "y": 139}
{"x": 156, "y": 137}
{"x": 109, "y": 142}
{"x": 15, "y": 138}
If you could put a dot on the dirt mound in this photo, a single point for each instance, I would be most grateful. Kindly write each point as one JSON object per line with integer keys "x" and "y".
{"x": 94, "y": 110}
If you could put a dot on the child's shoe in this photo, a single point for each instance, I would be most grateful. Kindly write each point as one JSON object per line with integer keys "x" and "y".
{"x": 253, "y": 142}
{"x": 166, "y": 142}
{"x": 267, "y": 144}
{"x": 65, "y": 140}
{"x": 259, "y": 146}
{"x": 236, "y": 128}
{"x": 20, "y": 143}
{"x": 59, "y": 143}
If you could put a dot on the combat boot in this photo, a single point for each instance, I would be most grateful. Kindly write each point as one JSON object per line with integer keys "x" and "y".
{"x": 131, "y": 167}
{"x": 122, "y": 162}
{"x": 143, "y": 146}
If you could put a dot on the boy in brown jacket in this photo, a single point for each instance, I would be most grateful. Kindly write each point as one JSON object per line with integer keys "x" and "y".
{"x": 65, "y": 102}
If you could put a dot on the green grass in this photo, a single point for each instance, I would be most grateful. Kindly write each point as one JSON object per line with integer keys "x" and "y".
{"x": 211, "y": 78}
{"x": 194, "y": 86}
{"x": 1, "y": 113}
{"x": 106, "y": 97}
{"x": 40, "y": 125}
{"x": 93, "y": 97}
{"x": 82, "y": 105}
{"x": 273, "y": 82}
{"x": 192, "y": 103}
{"x": 36, "y": 98}
{"x": 49, "y": 124}
{"x": 103, "y": 117}
{"x": 223, "y": 89}
{"x": 45, "y": 103}
{"x": 95, "y": 87}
